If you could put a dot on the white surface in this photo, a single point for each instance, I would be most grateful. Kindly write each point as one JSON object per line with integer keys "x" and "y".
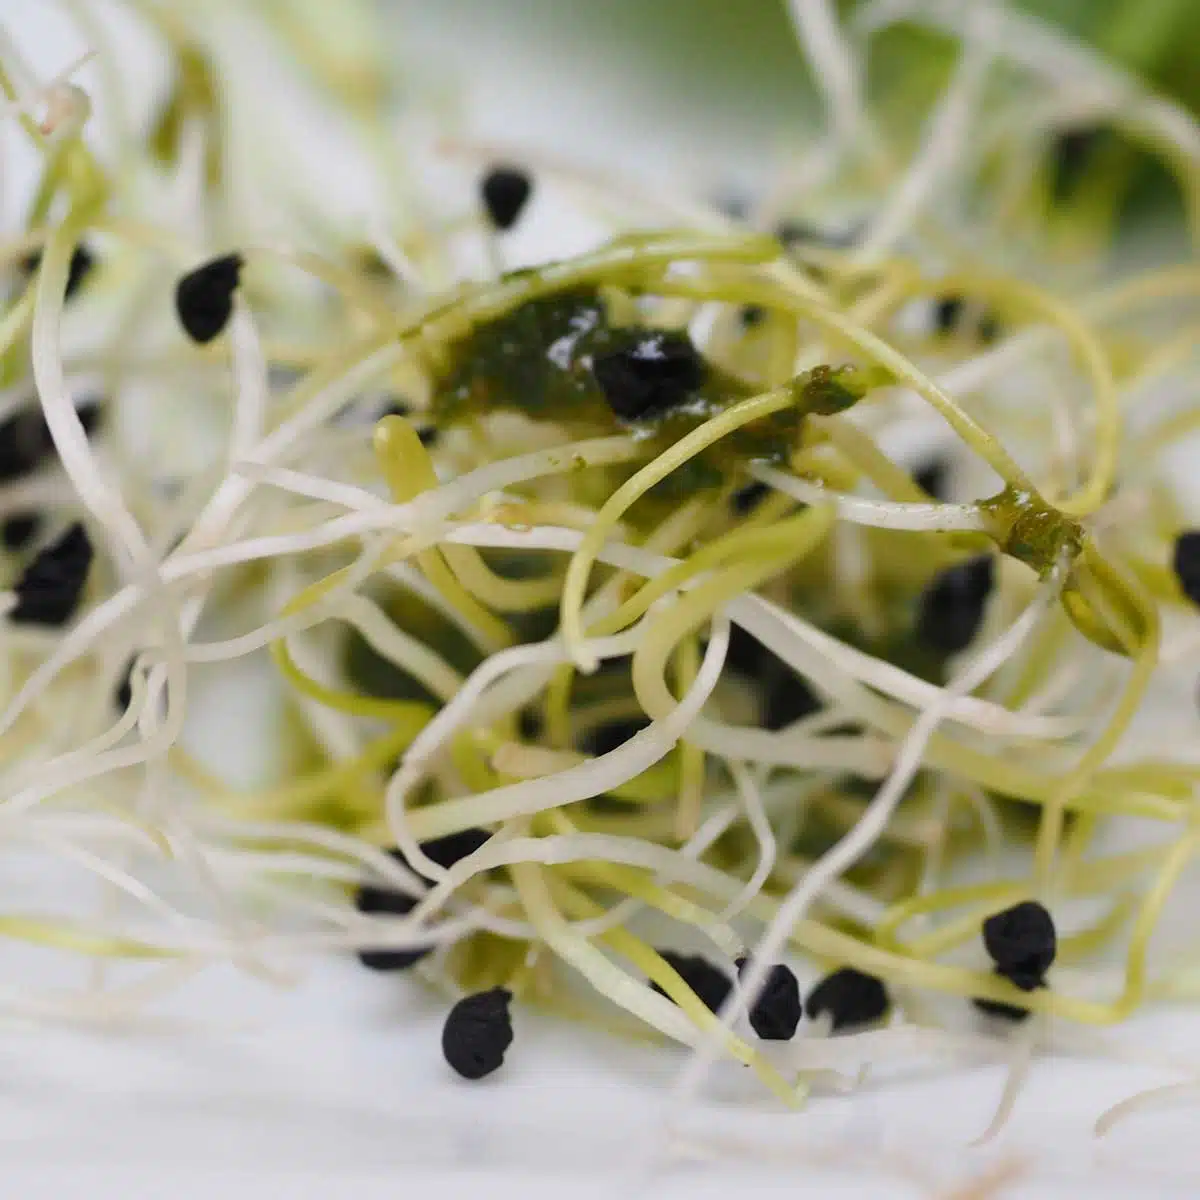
{"x": 340, "y": 1085}
{"x": 337, "y": 1088}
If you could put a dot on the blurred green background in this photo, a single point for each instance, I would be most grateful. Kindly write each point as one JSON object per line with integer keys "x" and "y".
{"x": 689, "y": 44}
{"x": 711, "y": 94}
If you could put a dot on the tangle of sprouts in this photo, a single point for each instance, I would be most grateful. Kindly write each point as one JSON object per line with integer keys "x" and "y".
{"x": 832, "y": 644}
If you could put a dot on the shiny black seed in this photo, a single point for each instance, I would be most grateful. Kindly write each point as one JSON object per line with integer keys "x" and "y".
{"x": 746, "y": 654}
{"x": 850, "y": 997}
{"x": 82, "y": 262}
{"x": 1185, "y": 560}
{"x": 477, "y": 1032}
{"x": 394, "y": 959}
{"x": 446, "y": 851}
{"x": 998, "y": 1008}
{"x": 778, "y": 1009}
{"x": 654, "y": 374}
{"x": 20, "y": 529}
{"x": 947, "y": 313}
{"x": 123, "y": 692}
{"x": 49, "y": 591}
{"x": 80, "y": 268}
{"x": 1009, "y": 1012}
{"x": 752, "y": 314}
{"x": 933, "y": 477}
{"x": 90, "y": 413}
{"x": 505, "y": 192}
{"x": 785, "y": 697}
{"x": 25, "y": 442}
{"x": 1021, "y": 940}
{"x": 204, "y": 297}
{"x": 123, "y": 695}
{"x": 711, "y": 985}
{"x": 951, "y": 607}
{"x": 374, "y": 898}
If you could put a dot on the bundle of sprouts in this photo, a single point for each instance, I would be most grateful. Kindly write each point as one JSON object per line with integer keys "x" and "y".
{"x": 798, "y": 578}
